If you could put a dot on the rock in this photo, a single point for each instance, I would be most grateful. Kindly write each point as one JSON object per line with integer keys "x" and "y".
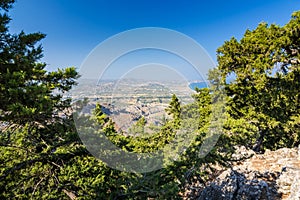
{"x": 289, "y": 183}
{"x": 241, "y": 152}
{"x": 272, "y": 175}
{"x": 285, "y": 180}
{"x": 236, "y": 186}
{"x": 295, "y": 188}
{"x": 299, "y": 152}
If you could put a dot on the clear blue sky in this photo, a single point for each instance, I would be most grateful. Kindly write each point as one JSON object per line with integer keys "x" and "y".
{"x": 75, "y": 27}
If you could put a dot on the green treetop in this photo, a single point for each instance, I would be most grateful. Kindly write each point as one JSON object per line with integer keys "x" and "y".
{"x": 263, "y": 99}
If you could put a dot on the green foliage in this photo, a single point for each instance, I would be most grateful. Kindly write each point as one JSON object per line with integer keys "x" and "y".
{"x": 27, "y": 91}
{"x": 174, "y": 110}
{"x": 264, "y": 97}
{"x": 138, "y": 129}
{"x": 100, "y": 117}
{"x": 41, "y": 156}
{"x": 166, "y": 183}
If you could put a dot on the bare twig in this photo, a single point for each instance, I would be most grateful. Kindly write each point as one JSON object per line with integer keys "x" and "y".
{"x": 35, "y": 187}
{"x": 70, "y": 194}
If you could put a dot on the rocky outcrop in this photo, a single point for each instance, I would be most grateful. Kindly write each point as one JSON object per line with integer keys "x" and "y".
{"x": 289, "y": 183}
{"x": 295, "y": 188}
{"x": 269, "y": 176}
{"x": 234, "y": 185}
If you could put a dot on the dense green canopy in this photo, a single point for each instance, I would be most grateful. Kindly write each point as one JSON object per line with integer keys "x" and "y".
{"x": 263, "y": 99}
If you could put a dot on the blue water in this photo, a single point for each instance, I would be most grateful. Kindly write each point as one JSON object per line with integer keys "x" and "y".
{"x": 198, "y": 85}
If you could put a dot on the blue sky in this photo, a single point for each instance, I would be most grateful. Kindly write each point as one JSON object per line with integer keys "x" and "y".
{"x": 75, "y": 27}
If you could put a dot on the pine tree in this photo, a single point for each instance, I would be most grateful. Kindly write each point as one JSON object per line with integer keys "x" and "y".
{"x": 174, "y": 110}
{"x": 28, "y": 93}
{"x": 263, "y": 101}
{"x": 41, "y": 156}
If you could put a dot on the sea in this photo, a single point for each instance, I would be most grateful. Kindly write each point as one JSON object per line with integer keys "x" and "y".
{"x": 199, "y": 85}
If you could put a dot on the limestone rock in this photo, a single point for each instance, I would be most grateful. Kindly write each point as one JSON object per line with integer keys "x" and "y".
{"x": 269, "y": 176}
{"x": 236, "y": 186}
{"x": 295, "y": 188}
